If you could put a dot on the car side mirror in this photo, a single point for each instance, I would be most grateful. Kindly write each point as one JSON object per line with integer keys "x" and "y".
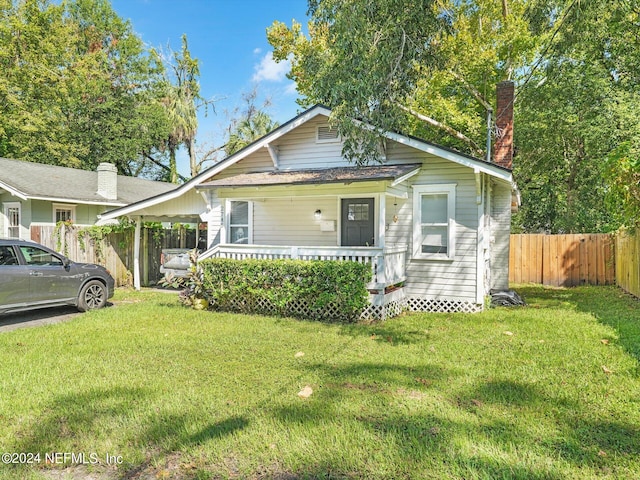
{"x": 66, "y": 262}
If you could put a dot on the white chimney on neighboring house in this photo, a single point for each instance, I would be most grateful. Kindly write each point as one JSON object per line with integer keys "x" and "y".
{"x": 108, "y": 181}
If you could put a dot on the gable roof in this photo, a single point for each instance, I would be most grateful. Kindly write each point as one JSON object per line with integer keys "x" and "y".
{"x": 38, "y": 181}
{"x": 317, "y": 110}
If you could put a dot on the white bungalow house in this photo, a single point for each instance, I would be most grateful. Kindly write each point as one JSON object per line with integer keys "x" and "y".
{"x": 433, "y": 223}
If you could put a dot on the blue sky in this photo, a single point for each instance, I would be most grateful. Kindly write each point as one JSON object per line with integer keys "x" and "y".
{"x": 229, "y": 39}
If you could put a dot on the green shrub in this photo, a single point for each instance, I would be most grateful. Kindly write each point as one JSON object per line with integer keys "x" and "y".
{"x": 322, "y": 290}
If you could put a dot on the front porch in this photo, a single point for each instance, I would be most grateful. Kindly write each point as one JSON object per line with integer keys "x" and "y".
{"x": 387, "y": 267}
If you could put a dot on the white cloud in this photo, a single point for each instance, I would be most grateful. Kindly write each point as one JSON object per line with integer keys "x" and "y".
{"x": 291, "y": 89}
{"x": 270, "y": 70}
{"x": 257, "y": 51}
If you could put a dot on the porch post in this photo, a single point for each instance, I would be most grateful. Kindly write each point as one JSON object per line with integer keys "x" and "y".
{"x": 382, "y": 227}
{"x": 136, "y": 254}
{"x": 382, "y": 220}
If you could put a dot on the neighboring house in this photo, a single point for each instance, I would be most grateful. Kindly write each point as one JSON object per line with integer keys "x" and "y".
{"x": 434, "y": 223}
{"x": 33, "y": 194}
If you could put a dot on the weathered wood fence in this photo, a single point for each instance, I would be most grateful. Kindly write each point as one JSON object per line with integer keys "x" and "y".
{"x": 627, "y": 258}
{"x": 562, "y": 260}
{"x": 115, "y": 250}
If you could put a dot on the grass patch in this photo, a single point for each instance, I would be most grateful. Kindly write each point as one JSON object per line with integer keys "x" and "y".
{"x": 547, "y": 391}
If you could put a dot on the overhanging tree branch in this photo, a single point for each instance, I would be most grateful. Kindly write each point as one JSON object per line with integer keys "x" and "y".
{"x": 161, "y": 165}
{"x": 472, "y": 90}
{"x": 441, "y": 126}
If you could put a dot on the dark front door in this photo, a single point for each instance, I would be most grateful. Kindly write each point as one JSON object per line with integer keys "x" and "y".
{"x": 357, "y": 222}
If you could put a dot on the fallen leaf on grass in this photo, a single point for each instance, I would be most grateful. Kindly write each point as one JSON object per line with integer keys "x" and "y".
{"x": 507, "y": 333}
{"x": 604, "y": 341}
{"x": 477, "y": 403}
{"x": 602, "y": 453}
{"x": 305, "y": 392}
{"x": 606, "y": 370}
{"x": 299, "y": 354}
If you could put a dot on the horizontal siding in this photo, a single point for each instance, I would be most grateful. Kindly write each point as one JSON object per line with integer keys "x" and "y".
{"x": 500, "y": 235}
{"x": 456, "y": 279}
{"x": 291, "y": 221}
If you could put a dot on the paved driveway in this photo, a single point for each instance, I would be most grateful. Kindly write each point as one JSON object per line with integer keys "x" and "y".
{"x": 36, "y": 318}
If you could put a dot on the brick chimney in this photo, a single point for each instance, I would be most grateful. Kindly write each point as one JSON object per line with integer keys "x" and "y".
{"x": 108, "y": 181}
{"x": 503, "y": 146}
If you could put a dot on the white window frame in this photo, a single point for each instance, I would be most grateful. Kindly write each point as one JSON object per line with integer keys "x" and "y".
{"x": 64, "y": 206}
{"x": 227, "y": 220}
{"x": 5, "y": 207}
{"x": 419, "y": 191}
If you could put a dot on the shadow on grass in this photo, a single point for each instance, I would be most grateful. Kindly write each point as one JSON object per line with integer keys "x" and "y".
{"x": 609, "y": 305}
{"x": 69, "y": 417}
{"x": 171, "y": 432}
{"x": 394, "y": 331}
{"x": 73, "y": 422}
{"x": 578, "y": 440}
{"x": 398, "y": 417}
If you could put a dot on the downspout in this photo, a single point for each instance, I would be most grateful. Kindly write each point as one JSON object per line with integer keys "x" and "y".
{"x": 489, "y": 112}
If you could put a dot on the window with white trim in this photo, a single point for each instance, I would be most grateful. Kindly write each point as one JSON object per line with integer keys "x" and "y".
{"x": 64, "y": 213}
{"x": 240, "y": 213}
{"x": 434, "y": 209}
{"x": 13, "y": 218}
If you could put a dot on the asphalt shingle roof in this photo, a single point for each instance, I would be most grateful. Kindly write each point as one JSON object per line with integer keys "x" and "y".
{"x": 326, "y": 175}
{"x": 52, "y": 182}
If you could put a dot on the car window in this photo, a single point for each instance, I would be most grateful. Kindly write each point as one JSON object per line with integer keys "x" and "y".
{"x": 8, "y": 255}
{"x": 39, "y": 257}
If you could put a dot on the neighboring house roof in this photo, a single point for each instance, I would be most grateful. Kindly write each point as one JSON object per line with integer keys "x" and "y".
{"x": 38, "y": 181}
{"x": 421, "y": 145}
{"x": 326, "y": 175}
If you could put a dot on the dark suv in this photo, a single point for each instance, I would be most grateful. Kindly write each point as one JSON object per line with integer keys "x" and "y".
{"x": 33, "y": 276}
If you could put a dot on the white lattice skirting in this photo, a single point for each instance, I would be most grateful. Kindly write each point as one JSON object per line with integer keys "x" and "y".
{"x": 421, "y": 304}
{"x": 391, "y": 308}
{"x": 418, "y": 304}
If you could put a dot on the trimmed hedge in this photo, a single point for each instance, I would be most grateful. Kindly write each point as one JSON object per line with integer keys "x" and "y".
{"x": 327, "y": 290}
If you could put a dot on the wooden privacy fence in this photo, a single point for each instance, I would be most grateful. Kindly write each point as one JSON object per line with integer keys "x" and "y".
{"x": 562, "y": 260}
{"x": 628, "y": 263}
{"x": 115, "y": 250}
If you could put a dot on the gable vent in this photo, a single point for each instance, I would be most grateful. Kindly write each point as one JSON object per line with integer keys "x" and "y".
{"x": 327, "y": 134}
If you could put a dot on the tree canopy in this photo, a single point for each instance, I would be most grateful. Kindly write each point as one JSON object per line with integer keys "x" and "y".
{"x": 78, "y": 86}
{"x": 429, "y": 68}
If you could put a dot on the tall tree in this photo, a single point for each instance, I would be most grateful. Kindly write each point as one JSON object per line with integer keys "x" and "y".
{"x": 71, "y": 73}
{"x": 576, "y": 108}
{"x": 251, "y": 124}
{"x": 182, "y": 103}
{"x": 427, "y": 66}
{"x": 182, "y": 93}
{"x": 430, "y": 67}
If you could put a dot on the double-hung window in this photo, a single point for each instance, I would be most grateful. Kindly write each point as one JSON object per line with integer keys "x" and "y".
{"x": 434, "y": 209}
{"x": 239, "y": 218}
{"x": 64, "y": 213}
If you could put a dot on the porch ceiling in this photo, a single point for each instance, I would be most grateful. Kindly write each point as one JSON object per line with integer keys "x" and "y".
{"x": 320, "y": 176}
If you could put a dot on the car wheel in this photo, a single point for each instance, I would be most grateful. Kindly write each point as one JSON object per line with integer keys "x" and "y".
{"x": 93, "y": 295}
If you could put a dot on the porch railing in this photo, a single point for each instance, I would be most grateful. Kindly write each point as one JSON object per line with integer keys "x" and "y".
{"x": 387, "y": 264}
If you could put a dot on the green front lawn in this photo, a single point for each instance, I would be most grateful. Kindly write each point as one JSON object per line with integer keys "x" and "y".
{"x": 548, "y": 391}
